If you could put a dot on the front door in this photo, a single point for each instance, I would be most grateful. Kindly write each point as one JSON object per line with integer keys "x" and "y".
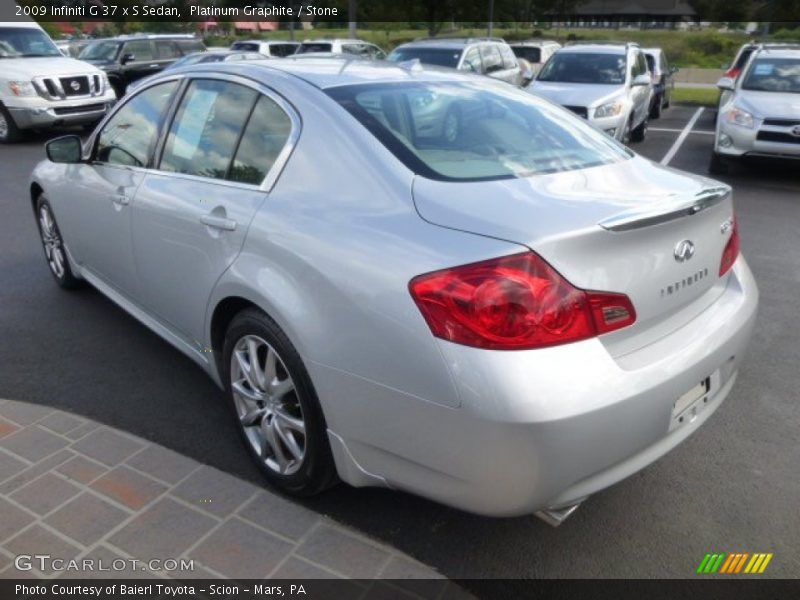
{"x": 104, "y": 188}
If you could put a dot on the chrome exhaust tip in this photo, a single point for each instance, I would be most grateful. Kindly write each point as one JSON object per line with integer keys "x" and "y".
{"x": 556, "y": 516}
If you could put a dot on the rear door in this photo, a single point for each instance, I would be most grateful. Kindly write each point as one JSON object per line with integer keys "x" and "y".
{"x": 191, "y": 216}
{"x": 143, "y": 63}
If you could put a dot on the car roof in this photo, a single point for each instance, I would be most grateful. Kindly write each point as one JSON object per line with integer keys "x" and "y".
{"x": 327, "y": 73}
{"x": 652, "y": 51}
{"x": 335, "y": 40}
{"x": 21, "y": 24}
{"x": 534, "y": 43}
{"x": 595, "y": 49}
{"x": 779, "y": 52}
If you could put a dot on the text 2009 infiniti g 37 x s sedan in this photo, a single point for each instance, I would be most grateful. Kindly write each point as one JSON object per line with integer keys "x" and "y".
{"x": 409, "y": 278}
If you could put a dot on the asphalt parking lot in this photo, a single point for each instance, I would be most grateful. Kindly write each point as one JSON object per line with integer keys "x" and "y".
{"x": 732, "y": 487}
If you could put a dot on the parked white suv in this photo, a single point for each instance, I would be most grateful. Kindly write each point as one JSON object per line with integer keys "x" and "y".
{"x": 608, "y": 84}
{"x": 42, "y": 88}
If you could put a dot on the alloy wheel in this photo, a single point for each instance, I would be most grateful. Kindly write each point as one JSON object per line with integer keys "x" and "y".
{"x": 267, "y": 405}
{"x": 51, "y": 238}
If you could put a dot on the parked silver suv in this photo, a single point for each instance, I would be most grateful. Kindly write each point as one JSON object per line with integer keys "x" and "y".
{"x": 485, "y": 56}
{"x": 760, "y": 112}
{"x": 42, "y": 88}
{"x": 607, "y": 83}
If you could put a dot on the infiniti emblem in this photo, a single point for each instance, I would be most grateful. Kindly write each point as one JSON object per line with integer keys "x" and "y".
{"x": 795, "y": 131}
{"x": 75, "y": 86}
{"x": 684, "y": 250}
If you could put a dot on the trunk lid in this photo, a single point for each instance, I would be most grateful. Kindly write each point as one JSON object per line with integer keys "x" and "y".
{"x": 610, "y": 228}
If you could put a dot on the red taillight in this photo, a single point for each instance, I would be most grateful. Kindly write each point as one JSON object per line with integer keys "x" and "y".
{"x": 513, "y": 303}
{"x": 731, "y": 252}
{"x": 733, "y": 72}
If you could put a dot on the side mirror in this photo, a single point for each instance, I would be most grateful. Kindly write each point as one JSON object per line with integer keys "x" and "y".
{"x": 65, "y": 149}
{"x": 643, "y": 79}
{"x": 127, "y": 58}
{"x": 726, "y": 83}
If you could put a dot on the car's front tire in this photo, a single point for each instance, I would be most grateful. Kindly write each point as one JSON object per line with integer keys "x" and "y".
{"x": 639, "y": 133}
{"x": 275, "y": 406}
{"x": 9, "y": 132}
{"x": 658, "y": 105}
{"x": 718, "y": 164}
{"x": 53, "y": 243}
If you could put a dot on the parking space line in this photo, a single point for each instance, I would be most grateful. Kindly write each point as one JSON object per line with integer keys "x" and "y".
{"x": 682, "y": 137}
{"x": 672, "y": 130}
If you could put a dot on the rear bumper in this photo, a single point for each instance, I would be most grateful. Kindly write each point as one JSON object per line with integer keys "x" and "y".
{"x": 546, "y": 428}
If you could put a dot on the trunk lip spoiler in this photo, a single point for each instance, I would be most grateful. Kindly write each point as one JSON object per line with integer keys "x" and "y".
{"x": 638, "y": 218}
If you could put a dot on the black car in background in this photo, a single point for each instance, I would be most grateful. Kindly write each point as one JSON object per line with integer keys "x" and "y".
{"x": 128, "y": 58}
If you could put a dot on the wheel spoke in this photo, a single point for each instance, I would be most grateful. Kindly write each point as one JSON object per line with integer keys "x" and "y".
{"x": 253, "y": 414}
{"x": 244, "y": 366}
{"x": 257, "y": 375}
{"x": 59, "y": 261}
{"x": 248, "y": 394}
{"x": 270, "y": 366}
{"x": 288, "y": 439}
{"x": 278, "y": 389}
{"x": 290, "y": 422}
{"x": 275, "y": 445}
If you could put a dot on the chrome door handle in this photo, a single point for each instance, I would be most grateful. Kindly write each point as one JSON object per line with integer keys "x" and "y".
{"x": 120, "y": 199}
{"x": 154, "y": 66}
{"x": 218, "y": 222}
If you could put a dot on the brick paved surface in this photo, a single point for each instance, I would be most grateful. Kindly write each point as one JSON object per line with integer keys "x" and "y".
{"x": 73, "y": 488}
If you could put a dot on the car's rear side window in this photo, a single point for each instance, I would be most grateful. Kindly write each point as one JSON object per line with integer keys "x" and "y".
{"x": 264, "y": 137}
{"x": 246, "y": 46}
{"x": 130, "y": 135}
{"x": 475, "y": 131}
{"x": 203, "y": 137}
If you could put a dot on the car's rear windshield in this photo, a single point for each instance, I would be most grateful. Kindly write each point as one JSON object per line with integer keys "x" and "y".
{"x": 245, "y": 46}
{"x": 314, "y": 47}
{"x": 773, "y": 75}
{"x": 442, "y": 57}
{"x": 530, "y": 53}
{"x": 101, "y": 51}
{"x": 583, "y": 67}
{"x": 471, "y": 131}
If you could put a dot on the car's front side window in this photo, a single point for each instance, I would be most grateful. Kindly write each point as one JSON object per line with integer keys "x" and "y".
{"x": 130, "y": 135}
{"x": 203, "y": 137}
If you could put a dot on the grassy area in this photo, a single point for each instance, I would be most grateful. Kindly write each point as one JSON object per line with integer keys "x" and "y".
{"x": 698, "y": 96}
{"x": 706, "y": 49}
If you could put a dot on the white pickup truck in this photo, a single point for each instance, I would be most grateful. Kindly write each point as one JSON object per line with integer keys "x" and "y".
{"x": 41, "y": 88}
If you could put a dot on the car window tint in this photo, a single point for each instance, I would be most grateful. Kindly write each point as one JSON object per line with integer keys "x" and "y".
{"x": 509, "y": 60}
{"x": 167, "y": 50}
{"x": 529, "y": 53}
{"x": 248, "y": 46}
{"x": 472, "y": 61}
{"x": 469, "y": 131}
{"x": 651, "y": 63}
{"x": 203, "y": 136}
{"x": 264, "y": 138}
{"x": 130, "y": 135}
{"x": 141, "y": 50}
{"x": 492, "y": 61}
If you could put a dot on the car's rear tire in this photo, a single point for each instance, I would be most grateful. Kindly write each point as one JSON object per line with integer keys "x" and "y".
{"x": 54, "y": 249}
{"x": 655, "y": 111}
{"x": 9, "y": 132}
{"x": 275, "y": 406}
{"x": 718, "y": 164}
{"x": 638, "y": 134}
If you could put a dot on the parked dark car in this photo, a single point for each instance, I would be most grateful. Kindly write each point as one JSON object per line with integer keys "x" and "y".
{"x": 126, "y": 59}
{"x": 662, "y": 75}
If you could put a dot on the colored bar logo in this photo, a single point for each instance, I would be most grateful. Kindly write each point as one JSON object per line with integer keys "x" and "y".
{"x": 734, "y": 563}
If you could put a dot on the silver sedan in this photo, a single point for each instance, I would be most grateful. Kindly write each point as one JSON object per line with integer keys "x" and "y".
{"x": 409, "y": 278}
